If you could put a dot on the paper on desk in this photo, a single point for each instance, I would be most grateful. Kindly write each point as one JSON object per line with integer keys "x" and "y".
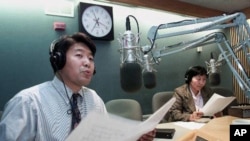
{"x": 100, "y": 127}
{"x": 189, "y": 125}
{"x": 216, "y": 104}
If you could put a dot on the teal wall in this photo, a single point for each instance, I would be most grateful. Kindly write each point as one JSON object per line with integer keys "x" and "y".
{"x": 25, "y": 36}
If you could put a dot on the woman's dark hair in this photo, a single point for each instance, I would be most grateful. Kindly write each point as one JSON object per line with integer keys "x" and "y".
{"x": 193, "y": 71}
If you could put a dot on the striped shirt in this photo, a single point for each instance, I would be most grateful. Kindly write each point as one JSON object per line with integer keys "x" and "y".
{"x": 42, "y": 112}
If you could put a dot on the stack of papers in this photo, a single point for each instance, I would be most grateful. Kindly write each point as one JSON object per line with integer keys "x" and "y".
{"x": 107, "y": 127}
{"x": 216, "y": 104}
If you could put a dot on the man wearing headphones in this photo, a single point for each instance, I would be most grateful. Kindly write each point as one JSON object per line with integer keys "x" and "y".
{"x": 51, "y": 110}
{"x": 191, "y": 96}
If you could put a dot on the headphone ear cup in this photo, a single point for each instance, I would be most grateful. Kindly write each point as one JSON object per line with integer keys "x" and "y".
{"x": 187, "y": 75}
{"x": 186, "y": 78}
{"x": 58, "y": 59}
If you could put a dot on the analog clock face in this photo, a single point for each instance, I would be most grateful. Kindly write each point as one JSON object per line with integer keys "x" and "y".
{"x": 96, "y": 21}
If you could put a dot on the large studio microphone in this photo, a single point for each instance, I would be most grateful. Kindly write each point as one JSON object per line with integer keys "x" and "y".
{"x": 149, "y": 78}
{"x": 214, "y": 75}
{"x": 130, "y": 69}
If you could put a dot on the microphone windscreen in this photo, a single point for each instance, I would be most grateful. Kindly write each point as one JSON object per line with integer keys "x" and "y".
{"x": 149, "y": 79}
{"x": 214, "y": 79}
{"x": 130, "y": 77}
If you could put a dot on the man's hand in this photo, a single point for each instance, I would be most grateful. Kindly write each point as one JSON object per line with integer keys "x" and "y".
{"x": 148, "y": 137}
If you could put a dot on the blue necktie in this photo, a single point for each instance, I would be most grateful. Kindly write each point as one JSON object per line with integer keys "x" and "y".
{"x": 76, "y": 115}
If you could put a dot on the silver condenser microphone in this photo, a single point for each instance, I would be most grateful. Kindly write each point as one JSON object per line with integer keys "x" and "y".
{"x": 213, "y": 72}
{"x": 130, "y": 68}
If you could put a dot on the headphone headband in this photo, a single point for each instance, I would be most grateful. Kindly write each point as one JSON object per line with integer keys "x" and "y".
{"x": 52, "y": 46}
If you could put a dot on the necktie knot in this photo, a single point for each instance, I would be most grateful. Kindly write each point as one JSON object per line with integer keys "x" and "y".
{"x": 75, "y": 96}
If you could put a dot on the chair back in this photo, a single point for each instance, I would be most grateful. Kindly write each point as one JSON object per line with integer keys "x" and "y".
{"x": 223, "y": 91}
{"x": 127, "y": 108}
{"x": 1, "y": 112}
{"x": 159, "y": 99}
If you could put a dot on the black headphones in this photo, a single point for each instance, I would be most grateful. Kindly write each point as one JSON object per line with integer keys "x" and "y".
{"x": 187, "y": 75}
{"x": 57, "y": 56}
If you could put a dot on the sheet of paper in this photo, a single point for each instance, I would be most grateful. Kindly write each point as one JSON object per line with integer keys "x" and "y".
{"x": 100, "y": 127}
{"x": 216, "y": 104}
{"x": 189, "y": 125}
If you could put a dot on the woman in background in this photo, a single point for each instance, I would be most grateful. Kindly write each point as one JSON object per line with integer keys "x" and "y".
{"x": 191, "y": 96}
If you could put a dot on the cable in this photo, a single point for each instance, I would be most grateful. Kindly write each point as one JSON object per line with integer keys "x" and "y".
{"x": 70, "y": 102}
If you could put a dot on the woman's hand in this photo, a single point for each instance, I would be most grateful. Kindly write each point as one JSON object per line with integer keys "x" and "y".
{"x": 195, "y": 115}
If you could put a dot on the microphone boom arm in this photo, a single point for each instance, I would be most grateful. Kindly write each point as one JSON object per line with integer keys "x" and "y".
{"x": 228, "y": 53}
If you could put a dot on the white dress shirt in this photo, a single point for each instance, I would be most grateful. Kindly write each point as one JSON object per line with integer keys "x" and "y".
{"x": 42, "y": 112}
{"x": 198, "y": 100}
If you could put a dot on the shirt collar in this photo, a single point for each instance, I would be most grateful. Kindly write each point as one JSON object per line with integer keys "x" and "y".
{"x": 60, "y": 87}
{"x": 195, "y": 96}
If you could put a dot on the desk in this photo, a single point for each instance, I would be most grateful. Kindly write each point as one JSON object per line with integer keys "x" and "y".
{"x": 216, "y": 129}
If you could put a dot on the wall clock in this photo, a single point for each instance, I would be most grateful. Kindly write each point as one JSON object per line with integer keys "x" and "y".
{"x": 96, "y": 21}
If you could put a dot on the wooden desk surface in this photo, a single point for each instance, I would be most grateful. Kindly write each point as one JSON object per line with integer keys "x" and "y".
{"x": 219, "y": 127}
{"x": 216, "y": 129}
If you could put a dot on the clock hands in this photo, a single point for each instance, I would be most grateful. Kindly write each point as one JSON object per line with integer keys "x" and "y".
{"x": 103, "y": 25}
{"x": 97, "y": 21}
{"x": 94, "y": 26}
{"x": 94, "y": 15}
